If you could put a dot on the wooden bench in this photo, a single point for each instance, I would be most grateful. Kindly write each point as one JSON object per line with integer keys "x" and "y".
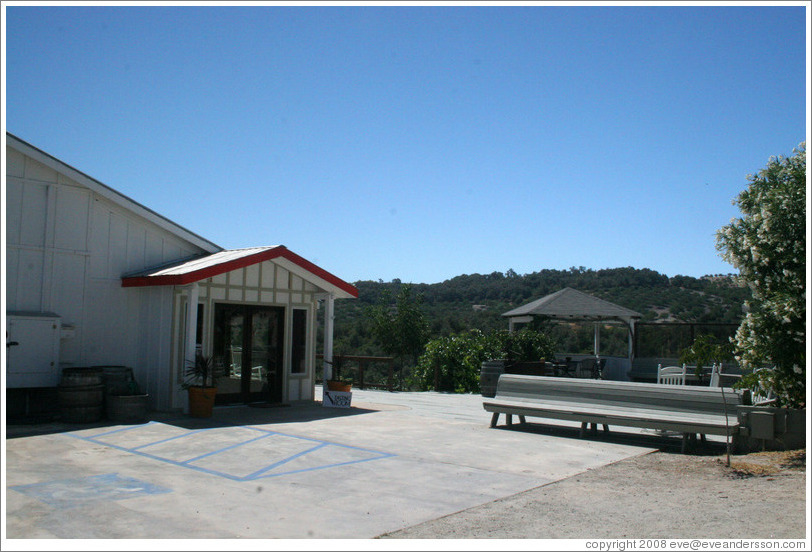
{"x": 689, "y": 410}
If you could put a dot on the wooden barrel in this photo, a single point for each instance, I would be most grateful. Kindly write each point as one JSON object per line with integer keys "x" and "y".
{"x": 490, "y": 371}
{"x": 127, "y": 409}
{"x": 78, "y": 377}
{"x": 118, "y": 380}
{"x": 81, "y": 403}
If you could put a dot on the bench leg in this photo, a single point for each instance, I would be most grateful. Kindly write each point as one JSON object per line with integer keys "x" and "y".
{"x": 494, "y": 419}
{"x": 583, "y": 429}
{"x": 509, "y": 419}
{"x": 605, "y": 428}
{"x": 688, "y": 439}
{"x": 522, "y": 420}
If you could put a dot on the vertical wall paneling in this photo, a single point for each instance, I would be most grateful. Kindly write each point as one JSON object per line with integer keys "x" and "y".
{"x": 35, "y": 210}
{"x": 69, "y": 244}
{"x": 48, "y": 248}
{"x": 14, "y": 210}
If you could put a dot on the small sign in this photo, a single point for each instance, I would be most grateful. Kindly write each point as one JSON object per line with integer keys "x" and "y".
{"x": 337, "y": 399}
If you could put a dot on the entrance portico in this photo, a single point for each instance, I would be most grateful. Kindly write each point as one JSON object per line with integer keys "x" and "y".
{"x": 255, "y": 315}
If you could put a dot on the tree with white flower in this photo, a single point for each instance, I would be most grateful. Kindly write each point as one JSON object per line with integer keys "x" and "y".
{"x": 768, "y": 247}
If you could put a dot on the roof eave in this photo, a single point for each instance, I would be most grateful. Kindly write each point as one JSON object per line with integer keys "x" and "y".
{"x": 326, "y": 281}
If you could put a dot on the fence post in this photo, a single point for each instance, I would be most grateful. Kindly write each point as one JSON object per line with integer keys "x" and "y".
{"x": 361, "y": 363}
{"x": 389, "y": 376}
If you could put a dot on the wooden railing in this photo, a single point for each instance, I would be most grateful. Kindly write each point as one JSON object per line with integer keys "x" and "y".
{"x": 359, "y": 369}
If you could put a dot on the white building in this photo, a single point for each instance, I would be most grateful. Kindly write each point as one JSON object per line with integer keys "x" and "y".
{"x": 95, "y": 279}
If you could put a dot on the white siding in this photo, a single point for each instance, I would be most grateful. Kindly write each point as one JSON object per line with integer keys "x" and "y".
{"x": 67, "y": 249}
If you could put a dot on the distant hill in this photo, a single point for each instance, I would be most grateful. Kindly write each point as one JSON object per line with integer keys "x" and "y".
{"x": 478, "y": 300}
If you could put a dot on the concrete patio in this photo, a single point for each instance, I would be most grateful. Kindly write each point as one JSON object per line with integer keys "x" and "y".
{"x": 391, "y": 461}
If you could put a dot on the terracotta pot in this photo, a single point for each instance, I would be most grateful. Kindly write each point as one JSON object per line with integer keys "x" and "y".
{"x": 201, "y": 401}
{"x": 339, "y": 386}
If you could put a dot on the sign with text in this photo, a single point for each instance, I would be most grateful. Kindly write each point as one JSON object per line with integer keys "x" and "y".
{"x": 337, "y": 399}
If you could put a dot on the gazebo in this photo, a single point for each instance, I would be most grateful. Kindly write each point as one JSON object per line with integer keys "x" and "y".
{"x": 571, "y": 305}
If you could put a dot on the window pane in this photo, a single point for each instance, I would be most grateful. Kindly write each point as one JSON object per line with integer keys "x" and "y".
{"x": 298, "y": 361}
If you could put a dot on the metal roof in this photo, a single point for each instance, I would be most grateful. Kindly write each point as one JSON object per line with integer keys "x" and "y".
{"x": 574, "y": 304}
{"x": 200, "y": 268}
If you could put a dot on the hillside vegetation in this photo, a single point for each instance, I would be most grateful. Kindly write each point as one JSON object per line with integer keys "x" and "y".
{"x": 476, "y": 301}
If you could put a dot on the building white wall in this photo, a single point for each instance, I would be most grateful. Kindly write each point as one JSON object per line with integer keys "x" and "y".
{"x": 69, "y": 244}
{"x": 66, "y": 250}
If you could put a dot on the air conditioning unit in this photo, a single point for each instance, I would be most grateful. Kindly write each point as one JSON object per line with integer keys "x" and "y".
{"x": 32, "y": 349}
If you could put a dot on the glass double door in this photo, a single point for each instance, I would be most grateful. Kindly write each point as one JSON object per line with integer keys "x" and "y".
{"x": 248, "y": 339}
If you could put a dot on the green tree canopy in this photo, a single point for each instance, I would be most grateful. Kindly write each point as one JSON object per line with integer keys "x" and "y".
{"x": 399, "y": 325}
{"x": 768, "y": 247}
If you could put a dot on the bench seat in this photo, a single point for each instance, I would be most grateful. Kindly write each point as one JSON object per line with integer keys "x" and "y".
{"x": 689, "y": 410}
{"x": 684, "y": 422}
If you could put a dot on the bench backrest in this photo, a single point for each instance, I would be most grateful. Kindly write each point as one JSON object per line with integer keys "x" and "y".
{"x": 620, "y": 393}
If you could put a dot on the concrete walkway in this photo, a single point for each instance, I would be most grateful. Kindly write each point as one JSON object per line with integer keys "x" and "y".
{"x": 391, "y": 461}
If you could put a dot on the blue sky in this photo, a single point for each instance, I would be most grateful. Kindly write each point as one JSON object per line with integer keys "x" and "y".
{"x": 422, "y": 142}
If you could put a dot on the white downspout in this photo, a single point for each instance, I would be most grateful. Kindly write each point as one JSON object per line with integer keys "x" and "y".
{"x": 329, "y": 321}
{"x": 191, "y": 325}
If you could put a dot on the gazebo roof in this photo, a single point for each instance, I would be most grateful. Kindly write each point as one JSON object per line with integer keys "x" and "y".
{"x": 569, "y": 303}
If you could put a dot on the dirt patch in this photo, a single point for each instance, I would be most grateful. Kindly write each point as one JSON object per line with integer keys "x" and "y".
{"x": 658, "y": 495}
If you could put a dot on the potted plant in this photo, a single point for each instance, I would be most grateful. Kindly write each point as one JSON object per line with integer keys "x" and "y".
{"x": 201, "y": 384}
{"x": 338, "y": 382}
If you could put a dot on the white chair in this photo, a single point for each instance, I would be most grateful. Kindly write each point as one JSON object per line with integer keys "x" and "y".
{"x": 671, "y": 375}
{"x": 760, "y": 396}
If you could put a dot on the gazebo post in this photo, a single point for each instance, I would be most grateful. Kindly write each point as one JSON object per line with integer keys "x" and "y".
{"x": 631, "y": 340}
{"x": 597, "y": 339}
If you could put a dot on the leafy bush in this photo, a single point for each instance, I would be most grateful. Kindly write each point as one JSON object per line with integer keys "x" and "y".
{"x": 767, "y": 244}
{"x": 705, "y": 351}
{"x": 457, "y": 359}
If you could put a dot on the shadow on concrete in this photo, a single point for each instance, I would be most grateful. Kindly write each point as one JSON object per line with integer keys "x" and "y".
{"x": 260, "y": 414}
{"x": 670, "y": 442}
{"x": 223, "y": 416}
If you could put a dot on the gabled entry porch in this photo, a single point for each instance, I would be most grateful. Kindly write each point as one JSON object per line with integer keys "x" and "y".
{"x": 255, "y": 316}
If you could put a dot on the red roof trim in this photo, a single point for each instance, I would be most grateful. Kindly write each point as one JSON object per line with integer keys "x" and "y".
{"x": 216, "y": 270}
{"x": 318, "y": 271}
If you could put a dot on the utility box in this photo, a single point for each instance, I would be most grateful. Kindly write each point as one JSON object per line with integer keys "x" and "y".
{"x": 762, "y": 425}
{"x": 32, "y": 350}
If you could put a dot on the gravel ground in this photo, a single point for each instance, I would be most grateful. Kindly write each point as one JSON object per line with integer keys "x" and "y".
{"x": 658, "y": 495}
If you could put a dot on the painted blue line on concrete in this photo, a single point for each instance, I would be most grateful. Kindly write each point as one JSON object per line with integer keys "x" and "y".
{"x": 255, "y": 475}
{"x": 314, "y": 468}
{"x": 285, "y": 461}
{"x": 168, "y": 439}
{"x": 119, "y": 430}
{"x": 168, "y": 460}
{"x": 320, "y": 441}
{"x": 79, "y": 491}
{"x": 289, "y": 435}
{"x": 235, "y": 445}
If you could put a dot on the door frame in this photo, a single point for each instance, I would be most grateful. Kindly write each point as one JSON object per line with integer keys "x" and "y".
{"x": 275, "y": 393}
